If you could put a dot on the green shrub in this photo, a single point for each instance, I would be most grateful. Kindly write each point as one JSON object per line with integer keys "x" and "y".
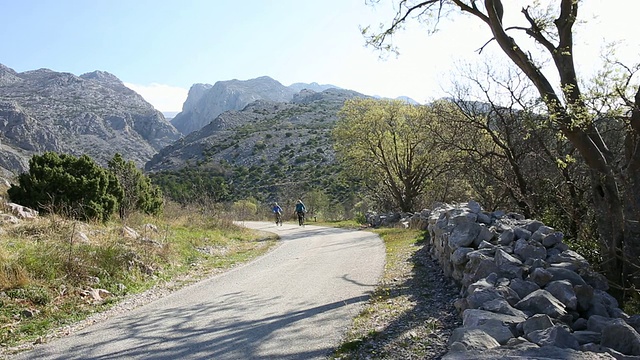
{"x": 137, "y": 191}
{"x": 67, "y": 184}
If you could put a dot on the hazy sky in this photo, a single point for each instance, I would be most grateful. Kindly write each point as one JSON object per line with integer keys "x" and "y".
{"x": 161, "y": 47}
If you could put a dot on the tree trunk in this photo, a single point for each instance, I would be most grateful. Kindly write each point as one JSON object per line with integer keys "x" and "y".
{"x": 610, "y": 223}
{"x": 631, "y": 183}
{"x": 632, "y": 230}
{"x": 608, "y": 192}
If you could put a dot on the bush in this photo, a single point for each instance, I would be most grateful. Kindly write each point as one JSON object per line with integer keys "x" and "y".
{"x": 12, "y": 276}
{"x": 137, "y": 191}
{"x": 67, "y": 184}
{"x": 245, "y": 209}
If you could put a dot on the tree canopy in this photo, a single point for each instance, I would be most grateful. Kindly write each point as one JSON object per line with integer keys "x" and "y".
{"x": 137, "y": 191}
{"x": 388, "y": 143}
{"x": 79, "y": 188}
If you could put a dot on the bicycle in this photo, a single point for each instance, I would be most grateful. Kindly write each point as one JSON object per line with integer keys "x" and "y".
{"x": 278, "y": 219}
{"x": 300, "y": 218}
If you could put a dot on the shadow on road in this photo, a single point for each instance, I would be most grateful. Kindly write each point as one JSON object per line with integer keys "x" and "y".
{"x": 281, "y": 317}
{"x": 192, "y": 338}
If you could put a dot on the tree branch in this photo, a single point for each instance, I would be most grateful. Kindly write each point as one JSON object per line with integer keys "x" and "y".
{"x": 535, "y": 32}
{"x": 377, "y": 41}
{"x": 472, "y": 10}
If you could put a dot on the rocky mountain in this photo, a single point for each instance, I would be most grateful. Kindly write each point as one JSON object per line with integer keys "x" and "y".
{"x": 93, "y": 114}
{"x": 205, "y": 102}
{"x": 265, "y": 148}
{"x": 258, "y": 132}
{"x": 408, "y": 100}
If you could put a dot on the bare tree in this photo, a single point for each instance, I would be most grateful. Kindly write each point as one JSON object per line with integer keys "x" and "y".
{"x": 510, "y": 143}
{"x": 615, "y": 180}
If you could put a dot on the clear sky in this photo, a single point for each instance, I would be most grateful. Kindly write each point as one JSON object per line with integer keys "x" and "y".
{"x": 161, "y": 47}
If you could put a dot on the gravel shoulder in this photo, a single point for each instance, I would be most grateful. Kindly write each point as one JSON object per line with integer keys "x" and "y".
{"x": 411, "y": 313}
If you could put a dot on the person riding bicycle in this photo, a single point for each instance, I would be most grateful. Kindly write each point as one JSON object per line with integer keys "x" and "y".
{"x": 300, "y": 210}
{"x": 277, "y": 210}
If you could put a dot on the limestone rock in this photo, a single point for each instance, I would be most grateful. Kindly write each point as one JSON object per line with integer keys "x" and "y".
{"x": 501, "y": 306}
{"x": 464, "y": 235}
{"x": 536, "y": 322}
{"x": 523, "y": 287}
{"x": 621, "y": 337}
{"x": 542, "y": 302}
{"x": 563, "y": 291}
{"x": 475, "y": 317}
{"x": 472, "y": 338}
{"x": 554, "y": 336}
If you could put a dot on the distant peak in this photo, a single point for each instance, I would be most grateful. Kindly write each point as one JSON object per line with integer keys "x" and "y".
{"x": 5, "y": 69}
{"x": 100, "y": 76}
{"x": 312, "y": 86}
{"x": 39, "y": 71}
{"x": 261, "y": 79}
{"x": 200, "y": 86}
{"x": 265, "y": 78}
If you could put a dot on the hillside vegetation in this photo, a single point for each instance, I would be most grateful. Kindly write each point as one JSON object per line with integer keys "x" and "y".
{"x": 267, "y": 151}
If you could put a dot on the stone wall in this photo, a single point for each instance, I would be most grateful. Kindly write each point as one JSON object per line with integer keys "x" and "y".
{"x": 524, "y": 293}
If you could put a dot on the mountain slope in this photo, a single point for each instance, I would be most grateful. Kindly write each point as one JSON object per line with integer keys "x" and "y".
{"x": 94, "y": 114}
{"x": 205, "y": 102}
{"x": 259, "y": 131}
{"x": 314, "y": 86}
{"x": 266, "y": 148}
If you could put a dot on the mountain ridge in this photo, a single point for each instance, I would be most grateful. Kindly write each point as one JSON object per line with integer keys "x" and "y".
{"x": 94, "y": 114}
{"x": 205, "y": 101}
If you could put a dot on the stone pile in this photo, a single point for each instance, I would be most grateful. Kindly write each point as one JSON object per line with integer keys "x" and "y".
{"x": 524, "y": 293}
{"x": 407, "y": 220}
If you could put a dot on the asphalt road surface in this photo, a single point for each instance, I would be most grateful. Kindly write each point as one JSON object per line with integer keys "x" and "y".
{"x": 296, "y": 302}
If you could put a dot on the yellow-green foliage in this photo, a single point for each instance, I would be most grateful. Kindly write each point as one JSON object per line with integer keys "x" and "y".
{"x": 245, "y": 209}
{"x": 392, "y": 146}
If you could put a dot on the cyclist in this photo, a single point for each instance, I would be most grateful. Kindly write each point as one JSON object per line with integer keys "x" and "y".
{"x": 277, "y": 210}
{"x": 300, "y": 210}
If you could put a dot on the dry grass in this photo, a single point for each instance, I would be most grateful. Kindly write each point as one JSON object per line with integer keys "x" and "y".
{"x": 47, "y": 264}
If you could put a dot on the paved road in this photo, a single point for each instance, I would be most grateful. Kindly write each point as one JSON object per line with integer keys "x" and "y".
{"x": 293, "y": 303}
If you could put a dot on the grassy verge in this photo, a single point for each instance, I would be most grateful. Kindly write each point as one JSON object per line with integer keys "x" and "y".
{"x": 52, "y": 268}
{"x": 399, "y": 321}
{"x": 398, "y": 242}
